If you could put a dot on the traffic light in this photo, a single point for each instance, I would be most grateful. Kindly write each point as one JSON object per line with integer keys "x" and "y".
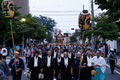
{"x": 73, "y": 29}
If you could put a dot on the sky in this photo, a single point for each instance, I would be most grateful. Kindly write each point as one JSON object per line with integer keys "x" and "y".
{"x": 64, "y": 12}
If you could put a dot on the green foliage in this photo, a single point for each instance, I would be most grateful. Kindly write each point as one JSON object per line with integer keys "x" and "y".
{"x": 73, "y": 39}
{"x": 5, "y": 29}
{"x": 87, "y": 34}
{"x": 47, "y": 22}
{"x": 31, "y": 28}
{"x": 97, "y": 41}
{"x": 112, "y": 7}
{"x": 104, "y": 29}
{"x": 49, "y": 37}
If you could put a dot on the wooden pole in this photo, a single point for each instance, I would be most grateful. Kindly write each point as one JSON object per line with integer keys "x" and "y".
{"x": 81, "y": 54}
{"x": 12, "y": 34}
{"x": 13, "y": 40}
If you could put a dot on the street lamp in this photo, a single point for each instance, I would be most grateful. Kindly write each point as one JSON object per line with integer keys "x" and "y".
{"x": 23, "y": 20}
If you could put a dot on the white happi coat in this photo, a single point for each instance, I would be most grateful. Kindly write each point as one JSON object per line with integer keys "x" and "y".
{"x": 99, "y": 61}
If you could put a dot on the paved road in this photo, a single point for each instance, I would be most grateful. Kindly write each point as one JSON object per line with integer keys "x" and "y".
{"x": 108, "y": 75}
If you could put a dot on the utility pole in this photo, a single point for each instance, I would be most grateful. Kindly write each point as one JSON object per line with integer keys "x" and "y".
{"x": 83, "y": 6}
{"x": 92, "y": 35}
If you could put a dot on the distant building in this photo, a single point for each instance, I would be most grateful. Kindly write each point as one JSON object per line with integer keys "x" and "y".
{"x": 24, "y": 4}
{"x": 115, "y": 44}
{"x": 67, "y": 37}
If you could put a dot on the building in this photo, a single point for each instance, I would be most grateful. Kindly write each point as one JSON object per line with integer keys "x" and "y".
{"x": 115, "y": 44}
{"x": 24, "y": 4}
{"x": 67, "y": 38}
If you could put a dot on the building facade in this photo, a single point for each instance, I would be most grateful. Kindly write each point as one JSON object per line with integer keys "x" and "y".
{"x": 24, "y": 4}
{"x": 115, "y": 44}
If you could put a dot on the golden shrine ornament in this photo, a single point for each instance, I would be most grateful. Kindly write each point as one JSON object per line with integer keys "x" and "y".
{"x": 8, "y": 8}
{"x": 84, "y": 20}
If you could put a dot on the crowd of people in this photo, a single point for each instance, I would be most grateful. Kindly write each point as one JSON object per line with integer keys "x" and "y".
{"x": 63, "y": 62}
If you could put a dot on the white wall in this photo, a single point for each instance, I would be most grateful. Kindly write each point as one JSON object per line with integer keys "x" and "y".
{"x": 113, "y": 43}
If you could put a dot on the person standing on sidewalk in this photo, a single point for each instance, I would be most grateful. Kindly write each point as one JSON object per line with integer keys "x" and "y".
{"x": 4, "y": 52}
{"x": 4, "y": 69}
{"x": 112, "y": 60}
{"x": 27, "y": 55}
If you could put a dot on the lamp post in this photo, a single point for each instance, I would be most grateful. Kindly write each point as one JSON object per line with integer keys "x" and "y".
{"x": 23, "y": 20}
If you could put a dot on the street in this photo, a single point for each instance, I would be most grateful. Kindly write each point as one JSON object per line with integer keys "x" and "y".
{"x": 108, "y": 75}
{"x": 60, "y": 39}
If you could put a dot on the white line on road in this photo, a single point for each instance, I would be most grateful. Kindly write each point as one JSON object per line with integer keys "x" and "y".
{"x": 114, "y": 70}
{"x": 25, "y": 72}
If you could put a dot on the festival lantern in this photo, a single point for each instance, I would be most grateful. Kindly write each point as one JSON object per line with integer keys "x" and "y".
{"x": 8, "y": 8}
{"x": 84, "y": 20}
{"x": 8, "y": 11}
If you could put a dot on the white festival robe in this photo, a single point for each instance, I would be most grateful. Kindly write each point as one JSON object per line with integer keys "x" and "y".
{"x": 99, "y": 61}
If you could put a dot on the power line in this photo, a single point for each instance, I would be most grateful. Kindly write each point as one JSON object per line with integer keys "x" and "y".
{"x": 67, "y": 25}
{"x": 55, "y": 11}
{"x": 66, "y": 21}
{"x": 58, "y": 14}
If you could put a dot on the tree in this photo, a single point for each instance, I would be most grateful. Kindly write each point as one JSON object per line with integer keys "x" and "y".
{"x": 73, "y": 39}
{"x": 113, "y": 9}
{"x": 104, "y": 29}
{"x": 31, "y": 28}
{"x": 5, "y": 25}
{"x": 47, "y": 22}
{"x": 87, "y": 34}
